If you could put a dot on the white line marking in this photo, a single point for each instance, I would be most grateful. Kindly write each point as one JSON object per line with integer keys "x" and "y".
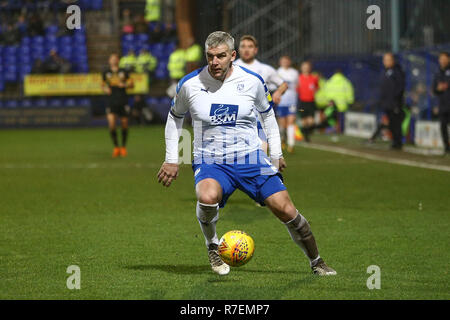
{"x": 369, "y": 156}
{"x": 76, "y": 166}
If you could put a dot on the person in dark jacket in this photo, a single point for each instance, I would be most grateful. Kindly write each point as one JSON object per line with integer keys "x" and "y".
{"x": 391, "y": 97}
{"x": 441, "y": 84}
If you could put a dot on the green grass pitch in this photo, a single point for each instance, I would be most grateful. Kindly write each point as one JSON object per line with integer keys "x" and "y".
{"x": 65, "y": 202}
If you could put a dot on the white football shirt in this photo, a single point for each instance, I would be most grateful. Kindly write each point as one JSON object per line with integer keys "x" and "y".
{"x": 223, "y": 113}
{"x": 267, "y": 72}
{"x": 290, "y": 76}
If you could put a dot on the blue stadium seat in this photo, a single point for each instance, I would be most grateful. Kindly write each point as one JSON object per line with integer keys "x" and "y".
{"x": 10, "y": 50}
{"x": 55, "y": 103}
{"x": 84, "y": 102}
{"x": 128, "y": 37}
{"x": 40, "y": 103}
{"x": 70, "y": 102}
{"x": 25, "y": 41}
{"x": 10, "y": 74}
{"x": 24, "y": 50}
{"x": 151, "y": 101}
{"x": 11, "y": 103}
{"x": 96, "y": 4}
{"x": 37, "y": 40}
{"x": 51, "y": 30}
{"x": 82, "y": 68}
{"x": 65, "y": 41}
{"x": 161, "y": 74}
{"x": 142, "y": 37}
{"x": 26, "y": 103}
{"x": 80, "y": 38}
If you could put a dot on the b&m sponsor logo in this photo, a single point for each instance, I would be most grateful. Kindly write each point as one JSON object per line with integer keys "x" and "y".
{"x": 223, "y": 114}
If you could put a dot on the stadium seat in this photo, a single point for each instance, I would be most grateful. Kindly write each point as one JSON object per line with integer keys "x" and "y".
{"x": 80, "y": 38}
{"x": 26, "y": 103}
{"x": 11, "y": 103}
{"x": 10, "y": 74}
{"x": 37, "y": 40}
{"x": 142, "y": 37}
{"x": 40, "y": 103}
{"x": 25, "y": 41}
{"x": 84, "y": 102}
{"x": 96, "y": 4}
{"x": 55, "y": 103}
{"x": 24, "y": 50}
{"x": 69, "y": 102}
{"x": 51, "y": 30}
{"x": 128, "y": 37}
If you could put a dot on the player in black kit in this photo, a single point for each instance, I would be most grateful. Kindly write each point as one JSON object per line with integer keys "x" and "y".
{"x": 115, "y": 83}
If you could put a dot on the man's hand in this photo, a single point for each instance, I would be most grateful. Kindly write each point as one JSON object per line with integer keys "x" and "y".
{"x": 167, "y": 173}
{"x": 276, "y": 97}
{"x": 280, "y": 164}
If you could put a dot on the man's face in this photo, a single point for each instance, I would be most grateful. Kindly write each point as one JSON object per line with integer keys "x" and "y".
{"x": 219, "y": 61}
{"x": 247, "y": 50}
{"x": 113, "y": 60}
{"x": 285, "y": 62}
{"x": 388, "y": 61}
{"x": 443, "y": 61}
{"x": 305, "y": 68}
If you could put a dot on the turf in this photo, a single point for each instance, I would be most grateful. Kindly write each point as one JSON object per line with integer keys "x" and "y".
{"x": 65, "y": 202}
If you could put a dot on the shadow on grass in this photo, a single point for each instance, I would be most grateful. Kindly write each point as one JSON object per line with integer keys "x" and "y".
{"x": 200, "y": 269}
{"x": 176, "y": 269}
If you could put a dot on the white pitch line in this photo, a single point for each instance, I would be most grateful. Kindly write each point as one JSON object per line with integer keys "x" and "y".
{"x": 369, "y": 156}
{"x": 75, "y": 166}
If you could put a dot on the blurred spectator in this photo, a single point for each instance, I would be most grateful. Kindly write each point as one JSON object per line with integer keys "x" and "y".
{"x": 441, "y": 84}
{"x": 152, "y": 10}
{"x": 306, "y": 89}
{"x": 156, "y": 33}
{"x": 194, "y": 56}
{"x": 391, "y": 97}
{"x": 38, "y": 67}
{"x": 170, "y": 32}
{"x": 11, "y": 35}
{"x": 127, "y": 24}
{"x": 140, "y": 25}
{"x": 55, "y": 64}
{"x": 145, "y": 62}
{"x": 35, "y": 25}
{"x": 339, "y": 90}
{"x": 21, "y": 24}
{"x": 128, "y": 62}
{"x": 177, "y": 68}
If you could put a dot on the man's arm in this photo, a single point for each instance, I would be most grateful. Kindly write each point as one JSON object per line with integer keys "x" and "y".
{"x": 270, "y": 126}
{"x": 174, "y": 125}
{"x": 169, "y": 169}
{"x": 279, "y": 92}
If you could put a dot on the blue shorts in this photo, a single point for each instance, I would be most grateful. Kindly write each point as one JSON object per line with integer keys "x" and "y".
{"x": 258, "y": 181}
{"x": 284, "y": 111}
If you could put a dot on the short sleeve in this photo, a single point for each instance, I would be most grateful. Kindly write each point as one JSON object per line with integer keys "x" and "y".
{"x": 263, "y": 101}
{"x": 179, "y": 105}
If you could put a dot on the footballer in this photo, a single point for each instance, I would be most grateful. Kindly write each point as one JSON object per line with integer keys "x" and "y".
{"x": 115, "y": 83}
{"x": 222, "y": 99}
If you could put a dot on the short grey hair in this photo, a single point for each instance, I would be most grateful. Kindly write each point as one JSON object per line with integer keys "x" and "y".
{"x": 217, "y": 38}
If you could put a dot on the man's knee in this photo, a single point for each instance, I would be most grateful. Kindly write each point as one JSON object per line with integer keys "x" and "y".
{"x": 208, "y": 197}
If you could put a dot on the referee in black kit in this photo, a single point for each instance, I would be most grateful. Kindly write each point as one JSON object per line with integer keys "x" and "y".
{"x": 391, "y": 97}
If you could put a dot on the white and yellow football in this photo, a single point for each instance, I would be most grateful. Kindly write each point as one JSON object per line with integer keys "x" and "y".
{"x": 236, "y": 248}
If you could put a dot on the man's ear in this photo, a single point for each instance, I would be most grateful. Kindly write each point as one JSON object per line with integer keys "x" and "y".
{"x": 233, "y": 55}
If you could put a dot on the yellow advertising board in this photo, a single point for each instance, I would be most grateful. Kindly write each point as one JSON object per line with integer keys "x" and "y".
{"x": 76, "y": 84}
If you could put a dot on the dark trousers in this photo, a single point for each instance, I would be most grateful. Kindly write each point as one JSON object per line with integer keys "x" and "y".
{"x": 396, "y": 117}
{"x": 445, "y": 120}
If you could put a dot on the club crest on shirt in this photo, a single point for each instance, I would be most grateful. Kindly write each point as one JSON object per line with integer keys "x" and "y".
{"x": 240, "y": 87}
{"x": 223, "y": 114}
